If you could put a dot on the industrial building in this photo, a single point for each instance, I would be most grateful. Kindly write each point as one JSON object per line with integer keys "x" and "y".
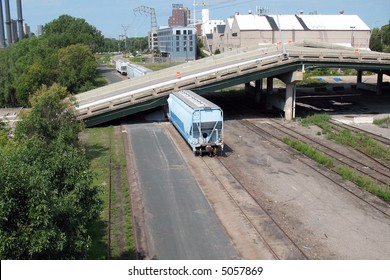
{"x": 178, "y": 44}
{"x": 256, "y": 30}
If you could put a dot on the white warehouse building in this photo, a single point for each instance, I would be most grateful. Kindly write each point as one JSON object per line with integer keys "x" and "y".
{"x": 256, "y": 30}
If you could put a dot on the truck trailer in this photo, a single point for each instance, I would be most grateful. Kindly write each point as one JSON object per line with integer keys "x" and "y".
{"x": 199, "y": 121}
{"x": 121, "y": 67}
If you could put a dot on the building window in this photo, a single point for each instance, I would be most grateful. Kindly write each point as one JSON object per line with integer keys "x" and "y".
{"x": 177, "y": 32}
{"x": 189, "y": 32}
{"x": 178, "y": 49}
{"x": 191, "y": 49}
{"x": 177, "y": 44}
{"x": 185, "y": 38}
{"x": 177, "y": 38}
{"x": 185, "y": 49}
{"x": 184, "y": 32}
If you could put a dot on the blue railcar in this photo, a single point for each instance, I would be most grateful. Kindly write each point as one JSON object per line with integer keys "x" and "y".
{"x": 198, "y": 120}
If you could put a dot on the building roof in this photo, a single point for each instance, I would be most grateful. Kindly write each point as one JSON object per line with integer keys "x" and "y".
{"x": 230, "y": 22}
{"x": 299, "y": 22}
{"x": 287, "y": 22}
{"x": 252, "y": 22}
{"x": 333, "y": 22}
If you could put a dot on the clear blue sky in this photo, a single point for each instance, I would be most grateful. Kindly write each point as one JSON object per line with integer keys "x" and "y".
{"x": 108, "y": 16}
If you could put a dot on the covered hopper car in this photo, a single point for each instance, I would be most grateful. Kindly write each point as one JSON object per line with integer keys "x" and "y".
{"x": 198, "y": 120}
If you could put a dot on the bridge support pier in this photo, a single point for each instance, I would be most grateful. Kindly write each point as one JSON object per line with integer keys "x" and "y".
{"x": 370, "y": 87}
{"x": 287, "y": 104}
{"x": 270, "y": 91}
{"x": 359, "y": 77}
{"x": 379, "y": 83}
{"x": 255, "y": 90}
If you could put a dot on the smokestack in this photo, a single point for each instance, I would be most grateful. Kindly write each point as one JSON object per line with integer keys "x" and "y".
{"x": 2, "y": 32}
{"x": 20, "y": 19}
{"x": 8, "y": 22}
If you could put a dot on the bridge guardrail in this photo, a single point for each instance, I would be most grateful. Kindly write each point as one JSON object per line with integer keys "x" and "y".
{"x": 207, "y": 71}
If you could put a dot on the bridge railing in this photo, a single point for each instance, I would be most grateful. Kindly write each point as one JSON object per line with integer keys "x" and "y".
{"x": 158, "y": 85}
{"x": 337, "y": 55}
{"x": 208, "y": 71}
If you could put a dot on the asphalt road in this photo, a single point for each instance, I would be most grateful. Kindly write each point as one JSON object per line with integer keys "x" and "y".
{"x": 110, "y": 74}
{"x": 180, "y": 223}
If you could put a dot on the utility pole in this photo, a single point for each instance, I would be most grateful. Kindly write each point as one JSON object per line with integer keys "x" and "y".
{"x": 125, "y": 28}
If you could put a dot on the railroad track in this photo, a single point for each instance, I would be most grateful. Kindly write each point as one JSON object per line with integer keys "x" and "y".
{"x": 270, "y": 137}
{"x": 289, "y": 248}
{"x": 378, "y": 138}
{"x": 365, "y": 164}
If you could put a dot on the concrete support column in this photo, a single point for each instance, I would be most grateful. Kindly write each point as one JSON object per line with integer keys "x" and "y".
{"x": 270, "y": 85}
{"x": 270, "y": 90}
{"x": 289, "y": 105}
{"x": 258, "y": 90}
{"x": 359, "y": 77}
{"x": 247, "y": 88}
{"x": 379, "y": 84}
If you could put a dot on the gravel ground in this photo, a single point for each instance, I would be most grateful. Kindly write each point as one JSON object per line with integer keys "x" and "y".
{"x": 314, "y": 214}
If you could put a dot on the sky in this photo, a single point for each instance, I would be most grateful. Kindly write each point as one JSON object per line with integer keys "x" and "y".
{"x": 113, "y": 17}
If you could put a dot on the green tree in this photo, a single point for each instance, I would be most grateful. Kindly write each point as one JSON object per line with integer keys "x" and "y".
{"x": 4, "y": 131}
{"x": 50, "y": 117}
{"x": 63, "y": 55}
{"x": 77, "y": 67}
{"x": 67, "y": 30}
{"x": 380, "y": 39}
{"x": 375, "y": 40}
{"x": 47, "y": 200}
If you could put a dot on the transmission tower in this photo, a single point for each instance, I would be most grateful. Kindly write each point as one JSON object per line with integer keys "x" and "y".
{"x": 153, "y": 43}
{"x": 149, "y": 12}
{"x": 125, "y": 28}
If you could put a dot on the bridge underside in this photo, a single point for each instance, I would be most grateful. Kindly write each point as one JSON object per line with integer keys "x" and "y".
{"x": 216, "y": 73}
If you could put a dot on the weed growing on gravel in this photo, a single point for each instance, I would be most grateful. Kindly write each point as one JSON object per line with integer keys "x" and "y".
{"x": 320, "y": 120}
{"x": 359, "y": 141}
{"x": 345, "y": 172}
{"x": 384, "y": 122}
{"x": 309, "y": 151}
{"x": 363, "y": 182}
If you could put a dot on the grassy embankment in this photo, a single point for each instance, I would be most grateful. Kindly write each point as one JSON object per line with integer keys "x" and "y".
{"x": 97, "y": 143}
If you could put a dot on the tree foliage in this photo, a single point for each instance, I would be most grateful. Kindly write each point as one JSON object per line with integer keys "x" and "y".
{"x": 67, "y": 30}
{"x": 47, "y": 199}
{"x": 62, "y": 55}
{"x": 50, "y": 117}
{"x": 380, "y": 39}
{"x": 76, "y": 67}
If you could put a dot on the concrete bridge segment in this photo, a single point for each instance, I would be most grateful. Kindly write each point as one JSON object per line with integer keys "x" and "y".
{"x": 221, "y": 71}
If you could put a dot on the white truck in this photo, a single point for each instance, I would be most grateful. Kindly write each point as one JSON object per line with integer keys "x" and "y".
{"x": 121, "y": 67}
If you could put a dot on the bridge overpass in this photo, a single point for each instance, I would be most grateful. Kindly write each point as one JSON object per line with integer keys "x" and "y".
{"x": 225, "y": 70}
